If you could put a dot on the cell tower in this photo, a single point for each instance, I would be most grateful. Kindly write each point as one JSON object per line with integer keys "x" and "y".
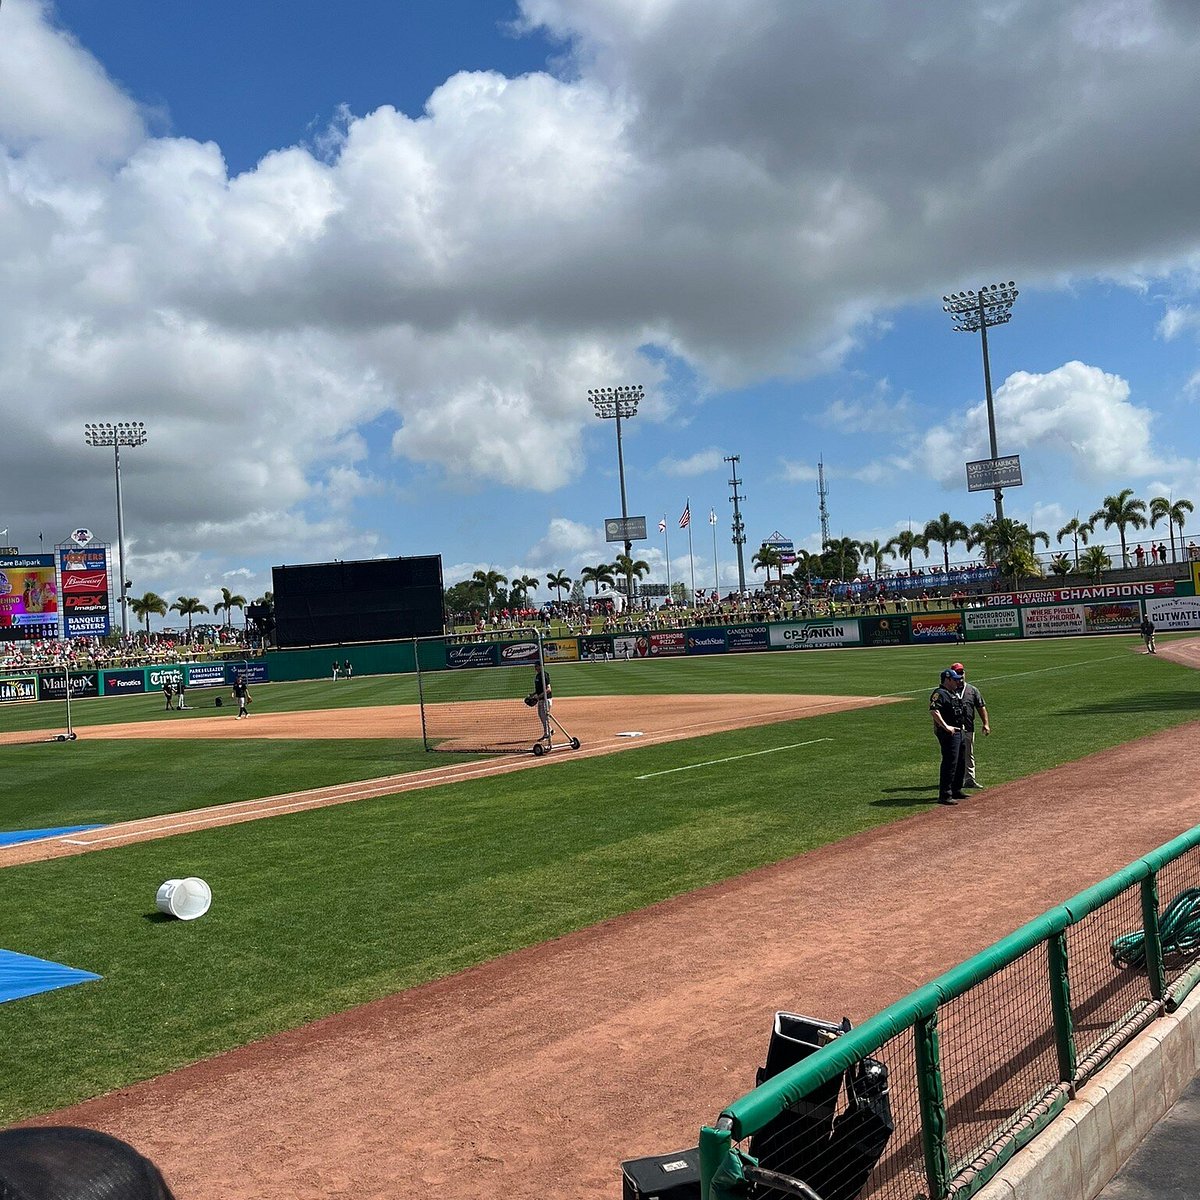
{"x": 822, "y": 493}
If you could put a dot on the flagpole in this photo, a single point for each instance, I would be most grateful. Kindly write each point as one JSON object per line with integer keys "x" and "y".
{"x": 712, "y": 520}
{"x": 691, "y": 562}
{"x": 667, "y": 552}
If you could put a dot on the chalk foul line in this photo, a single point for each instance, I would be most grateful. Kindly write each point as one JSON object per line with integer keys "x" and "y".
{"x": 712, "y": 762}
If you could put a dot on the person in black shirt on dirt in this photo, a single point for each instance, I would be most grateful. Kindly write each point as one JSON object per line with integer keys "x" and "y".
{"x": 945, "y": 706}
{"x": 544, "y": 694}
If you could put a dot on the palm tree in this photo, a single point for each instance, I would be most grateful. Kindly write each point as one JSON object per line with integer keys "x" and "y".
{"x": 1175, "y": 513}
{"x": 558, "y": 580}
{"x": 522, "y": 584}
{"x": 1095, "y": 561}
{"x": 946, "y": 533}
{"x": 904, "y": 544}
{"x": 151, "y": 604}
{"x": 842, "y": 551}
{"x": 189, "y": 606}
{"x": 631, "y": 569}
{"x": 874, "y": 552}
{"x": 1060, "y": 564}
{"x": 601, "y": 573}
{"x": 1079, "y": 530}
{"x": 1123, "y": 512}
{"x": 490, "y": 583}
{"x": 227, "y": 603}
{"x": 1009, "y": 545}
{"x": 767, "y": 558}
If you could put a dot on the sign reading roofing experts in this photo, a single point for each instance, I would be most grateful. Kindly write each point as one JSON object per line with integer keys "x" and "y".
{"x": 986, "y": 473}
{"x": 795, "y": 636}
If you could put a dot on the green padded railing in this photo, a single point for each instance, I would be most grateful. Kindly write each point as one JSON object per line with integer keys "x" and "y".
{"x": 723, "y": 1164}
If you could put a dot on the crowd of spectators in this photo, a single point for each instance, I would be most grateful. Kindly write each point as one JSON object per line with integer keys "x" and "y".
{"x": 202, "y": 643}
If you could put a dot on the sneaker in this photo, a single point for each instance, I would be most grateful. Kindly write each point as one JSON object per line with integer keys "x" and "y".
{"x": 960, "y": 796}
{"x": 947, "y": 800}
{"x": 972, "y": 784}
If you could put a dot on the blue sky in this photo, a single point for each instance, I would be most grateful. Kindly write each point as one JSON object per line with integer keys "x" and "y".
{"x": 357, "y": 268}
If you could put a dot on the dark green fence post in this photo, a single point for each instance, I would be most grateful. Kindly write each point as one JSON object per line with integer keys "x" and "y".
{"x": 1153, "y": 942}
{"x": 714, "y": 1148}
{"x": 1060, "y": 1005}
{"x": 933, "y": 1106}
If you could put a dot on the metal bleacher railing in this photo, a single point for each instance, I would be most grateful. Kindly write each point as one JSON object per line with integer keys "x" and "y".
{"x": 930, "y": 1097}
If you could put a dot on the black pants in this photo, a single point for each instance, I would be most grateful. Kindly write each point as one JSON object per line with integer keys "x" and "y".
{"x": 954, "y": 763}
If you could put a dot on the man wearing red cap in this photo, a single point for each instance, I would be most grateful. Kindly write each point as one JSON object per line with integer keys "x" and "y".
{"x": 972, "y": 703}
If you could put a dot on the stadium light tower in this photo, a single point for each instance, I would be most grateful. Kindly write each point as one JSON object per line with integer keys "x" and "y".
{"x": 123, "y": 433}
{"x": 975, "y": 311}
{"x": 615, "y": 404}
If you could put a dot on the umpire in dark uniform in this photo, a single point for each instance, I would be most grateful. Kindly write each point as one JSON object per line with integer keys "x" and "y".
{"x": 945, "y": 706}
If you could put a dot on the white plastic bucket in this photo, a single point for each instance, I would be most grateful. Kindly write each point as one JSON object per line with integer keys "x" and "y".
{"x": 186, "y": 899}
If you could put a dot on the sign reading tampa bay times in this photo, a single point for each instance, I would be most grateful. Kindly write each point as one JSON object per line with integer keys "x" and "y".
{"x": 1074, "y": 595}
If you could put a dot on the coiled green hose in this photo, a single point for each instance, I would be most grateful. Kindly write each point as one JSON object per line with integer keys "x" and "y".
{"x": 1178, "y": 930}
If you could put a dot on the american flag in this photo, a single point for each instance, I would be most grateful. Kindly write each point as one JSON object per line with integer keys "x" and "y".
{"x": 686, "y": 519}
{"x": 662, "y": 525}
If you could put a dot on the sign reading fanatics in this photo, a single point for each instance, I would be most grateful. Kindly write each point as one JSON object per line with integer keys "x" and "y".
{"x": 1100, "y": 591}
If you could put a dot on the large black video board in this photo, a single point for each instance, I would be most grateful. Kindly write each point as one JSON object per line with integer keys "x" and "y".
{"x": 376, "y": 600}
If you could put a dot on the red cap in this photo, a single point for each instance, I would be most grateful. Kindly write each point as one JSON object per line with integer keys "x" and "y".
{"x": 958, "y": 667}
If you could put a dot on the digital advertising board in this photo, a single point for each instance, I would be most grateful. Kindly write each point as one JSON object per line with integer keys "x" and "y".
{"x": 83, "y": 571}
{"x": 28, "y": 597}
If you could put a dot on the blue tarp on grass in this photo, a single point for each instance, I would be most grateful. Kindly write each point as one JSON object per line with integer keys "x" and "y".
{"x": 23, "y": 975}
{"x": 34, "y": 835}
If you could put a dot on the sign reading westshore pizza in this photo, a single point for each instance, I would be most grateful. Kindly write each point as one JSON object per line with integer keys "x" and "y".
{"x": 1099, "y": 591}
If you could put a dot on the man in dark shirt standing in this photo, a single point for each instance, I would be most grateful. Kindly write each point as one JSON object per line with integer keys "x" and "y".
{"x": 972, "y": 704}
{"x": 945, "y": 706}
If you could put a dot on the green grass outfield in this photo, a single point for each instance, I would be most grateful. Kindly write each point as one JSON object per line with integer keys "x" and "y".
{"x": 320, "y": 910}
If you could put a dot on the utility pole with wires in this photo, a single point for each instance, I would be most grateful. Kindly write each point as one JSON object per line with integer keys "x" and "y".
{"x": 739, "y": 528}
{"x": 822, "y": 493}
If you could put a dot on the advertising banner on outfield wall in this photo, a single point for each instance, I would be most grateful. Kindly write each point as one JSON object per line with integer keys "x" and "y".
{"x": 928, "y": 628}
{"x": 157, "y": 676}
{"x": 988, "y": 624}
{"x": 1058, "y": 620}
{"x": 562, "y": 650}
{"x": 1181, "y": 612}
{"x": 515, "y": 654}
{"x": 884, "y": 631}
{"x": 704, "y": 641}
{"x": 126, "y": 682}
{"x": 18, "y": 689}
{"x": 743, "y": 638}
{"x": 84, "y": 685}
{"x": 628, "y": 646}
{"x": 202, "y": 675}
{"x": 1123, "y": 616}
{"x": 1099, "y": 591}
{"x": 793, "y": 635}
{"x": 667, "y": 644}
{"x": 254, "y": 672}
{"x": 473, "y": 654}
{"x": 595, "y": 646}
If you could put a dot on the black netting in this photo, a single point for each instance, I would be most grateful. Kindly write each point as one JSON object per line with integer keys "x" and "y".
{"x": 1106, "y": 992}
{"x": 1181, "y": 935}
{"x": 997, "y": 1053}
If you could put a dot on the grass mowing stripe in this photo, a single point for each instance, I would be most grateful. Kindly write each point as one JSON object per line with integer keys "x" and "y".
{"x": 324, "y": 909}
{"x": 732, "y": 758}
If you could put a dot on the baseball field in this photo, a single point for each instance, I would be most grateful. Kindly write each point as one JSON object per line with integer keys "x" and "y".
{"x": 482, "y": 976}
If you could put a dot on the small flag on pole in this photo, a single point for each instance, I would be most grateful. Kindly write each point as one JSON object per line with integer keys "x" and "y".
{"x": 686, "y": 519}
{"x": 662, "y": 525}
{"x": 712, "y": 516}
